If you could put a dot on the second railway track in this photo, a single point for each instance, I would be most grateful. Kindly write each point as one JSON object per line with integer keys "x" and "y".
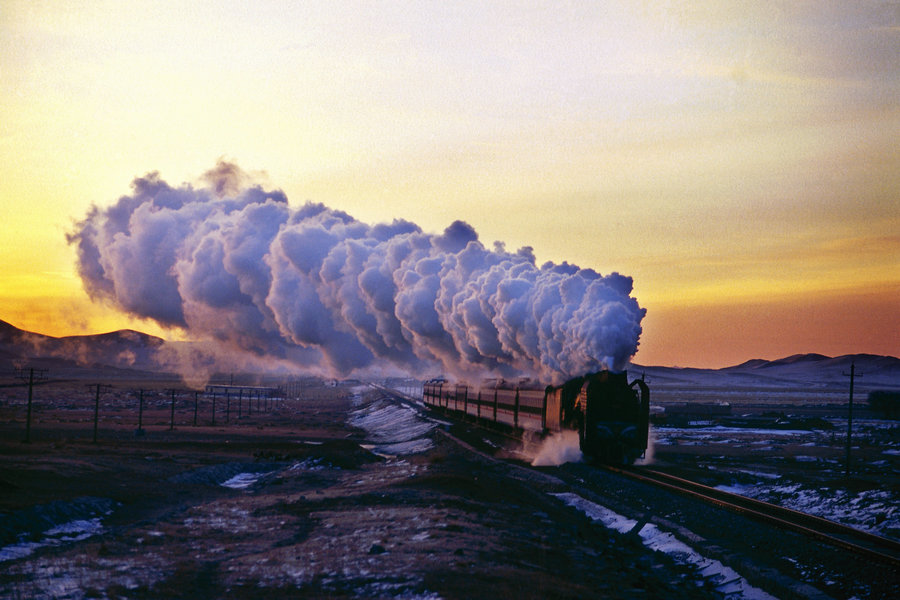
{"x": 849, "y": 538}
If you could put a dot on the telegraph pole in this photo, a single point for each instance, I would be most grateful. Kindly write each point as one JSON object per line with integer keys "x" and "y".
{"x": 96, "y": 411}
{"x": 98, "y": 387}
{"x": 140, "y": 429}
{"x": 28, "y": 417}
{"x": 852, "y": 375}
{"x": 172, "y": 419}
{"x": 31, "y": 373}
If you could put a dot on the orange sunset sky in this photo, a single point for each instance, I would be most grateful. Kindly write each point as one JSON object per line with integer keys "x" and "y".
{"x": 739, "y": 160}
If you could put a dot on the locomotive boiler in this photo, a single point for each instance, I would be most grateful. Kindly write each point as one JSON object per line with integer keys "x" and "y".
{"x": 610, "y": 414}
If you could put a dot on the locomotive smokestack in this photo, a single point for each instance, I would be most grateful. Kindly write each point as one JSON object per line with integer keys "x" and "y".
{"x": 313, "y": 286}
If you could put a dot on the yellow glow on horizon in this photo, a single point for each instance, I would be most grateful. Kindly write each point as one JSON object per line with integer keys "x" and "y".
{"x": 719, "y": 154}
{"x": 832, "y": 323}
{"x": 60, "y": 316}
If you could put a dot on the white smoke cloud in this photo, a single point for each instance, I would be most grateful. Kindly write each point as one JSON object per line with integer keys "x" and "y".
{"x": 559, "y": 448}
{"x": 314, "y": 287}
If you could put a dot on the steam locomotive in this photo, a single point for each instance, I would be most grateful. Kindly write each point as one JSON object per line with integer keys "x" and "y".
{"x": 610, "y": 415}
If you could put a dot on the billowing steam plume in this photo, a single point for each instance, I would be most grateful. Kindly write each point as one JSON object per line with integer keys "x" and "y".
{"x": 313, "y": 287}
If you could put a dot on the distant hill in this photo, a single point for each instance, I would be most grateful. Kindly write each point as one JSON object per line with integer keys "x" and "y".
{"x": 810, "y": 369}
{"x": 133, "y": 350}
{"x": 867, "y": 365}
{"x": 124, "y": 349}
{"x": 795, "y": 359}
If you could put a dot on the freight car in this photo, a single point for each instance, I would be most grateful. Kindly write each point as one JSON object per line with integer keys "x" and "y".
{"x": 610, "y": 415}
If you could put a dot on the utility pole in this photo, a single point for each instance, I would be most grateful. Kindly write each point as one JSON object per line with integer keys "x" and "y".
{"x": 196, "y": 405}
{"x": 99, "y": 387}
{"x": 140, "y": 429}
{"x": 41, "y": 373}
{"x": 172, "y": 419}
{"x": 30, "y": 395}
{"x": 852, "y": 375}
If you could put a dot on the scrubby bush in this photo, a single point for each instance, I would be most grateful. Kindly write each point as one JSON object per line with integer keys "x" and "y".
{"x": 885, "y": 403}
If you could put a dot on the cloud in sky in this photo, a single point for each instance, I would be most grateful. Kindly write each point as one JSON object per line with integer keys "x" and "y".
{"x": 331, "y": 294}
{"x": 709, "y": 149}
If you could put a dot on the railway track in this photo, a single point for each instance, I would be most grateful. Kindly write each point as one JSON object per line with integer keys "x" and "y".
{"x": 783, "y": 564}
{"x": 848, "y": 538}
{"x": 859, "y": 542}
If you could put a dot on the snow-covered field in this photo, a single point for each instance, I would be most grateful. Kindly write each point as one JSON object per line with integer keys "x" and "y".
{"x": 802, "y": 469}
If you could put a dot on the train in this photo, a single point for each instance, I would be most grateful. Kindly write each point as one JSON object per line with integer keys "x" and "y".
{"x": 611, "y": 415}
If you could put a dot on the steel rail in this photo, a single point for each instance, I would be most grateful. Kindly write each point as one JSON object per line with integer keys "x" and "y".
{"x": 809, "y": 525}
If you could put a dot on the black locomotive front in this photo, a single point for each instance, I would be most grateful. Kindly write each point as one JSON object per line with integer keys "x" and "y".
{"x": 611, "y": 416}
{"x": 616, "y": 417}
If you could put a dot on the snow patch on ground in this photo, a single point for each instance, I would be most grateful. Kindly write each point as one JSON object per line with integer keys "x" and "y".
{"x": 52, "y": 524}
{"x": 245, "y": 479}
{"x": 241, "y": 481}
{"x": 759, "y": 474}
{"x": 731, "y": 436}
{"x": 73, "y": 531}
{"x": 310, "y": 464}
{"x": 393, "y": 429}
{"x": 875, "y": 511}
{"x": 725, "y": 579}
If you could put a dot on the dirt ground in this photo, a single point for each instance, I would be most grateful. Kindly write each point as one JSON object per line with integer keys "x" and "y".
{"x": 305, "y": 511}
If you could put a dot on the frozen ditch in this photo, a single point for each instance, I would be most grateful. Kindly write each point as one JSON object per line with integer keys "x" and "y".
{"x": 392, "y": 428}
{"x": 53, "y": 524}
{"x": 725, "y": 579}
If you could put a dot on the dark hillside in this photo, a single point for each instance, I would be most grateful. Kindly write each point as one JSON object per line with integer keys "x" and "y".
{"x": 124, "y": 349}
